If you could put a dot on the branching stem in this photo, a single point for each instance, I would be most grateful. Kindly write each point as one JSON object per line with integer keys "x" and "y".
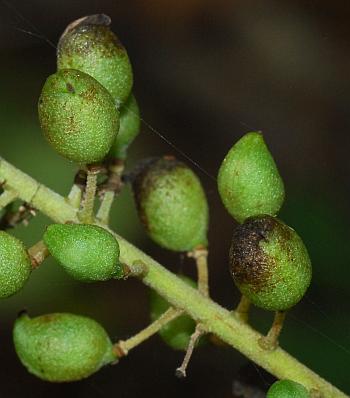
{"x": 7, "y": 197}
{"x": 124, "y": 346}
{"x": 213, "y": 318}
{"x": 113, "y": 187}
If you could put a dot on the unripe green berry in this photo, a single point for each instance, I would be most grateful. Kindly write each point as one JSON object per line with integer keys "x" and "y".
{"x": 128, "y": 129}
{"x": 78, "y": 116}
{"x": 176, "y": 333}
{"x": 15, "y": 265}
{"x": 171, "y": 204}
{"x": 287, "y": 389}
{"x": 87, "y": 252}
{"x": 248, "y": 181}
{"x": 90, "y": 46}
{"x": 62, "y": 347}
{"x": 269, "y": 263}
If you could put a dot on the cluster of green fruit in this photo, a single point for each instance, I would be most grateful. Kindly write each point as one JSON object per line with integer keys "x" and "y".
{"x": 88, "y": 114}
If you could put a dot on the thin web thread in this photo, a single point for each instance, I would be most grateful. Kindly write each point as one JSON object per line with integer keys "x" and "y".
{"x": 38, "y": 34}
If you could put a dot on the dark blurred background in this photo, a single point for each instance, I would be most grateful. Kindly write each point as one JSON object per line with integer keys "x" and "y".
{"x": 206, "y": 72}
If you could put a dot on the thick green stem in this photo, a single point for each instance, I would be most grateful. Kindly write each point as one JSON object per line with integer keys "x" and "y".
{"x": 213, "y": 318}
{"x": 7, "y": 197}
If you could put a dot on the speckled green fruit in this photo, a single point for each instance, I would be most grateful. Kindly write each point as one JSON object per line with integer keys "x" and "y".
{"x": 171, "y": 204}
{"x": 87, "y": 252}
{"x": 128, "y": 130}
{"x": 90, "y": 46}
{"x": 176, "y": 333}
{"x": 269, "y": 263}
{"x": 248, "y": 181}
{"x": 61, "y": 347}
{"x": 15, "y": 265}
{"x": 78, "y": 116}
{"x": 287, "y": 389}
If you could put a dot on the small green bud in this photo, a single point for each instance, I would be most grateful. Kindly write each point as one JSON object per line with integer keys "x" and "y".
{"x": 249, "y": 183}
{"x": 89, "y": 45}
{"x": 15, "y": 265}
{"x": 269, "y": 263}
{"x": 87, "y": 252}
{"x": 287, "y": 389}
{"x": 128, "y": 130}
{"x": 78, "y": 116}
{"x": 62, "y": 347}
{"x": 176, "y": 333}
{"x": 171, "y": 204}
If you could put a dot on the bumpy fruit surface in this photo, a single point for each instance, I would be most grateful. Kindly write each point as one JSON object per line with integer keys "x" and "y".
{"x": 90, "y": 46}
{"x": 15, "y": 265}
{"x": 287, "y": 389}
{"x": 78, "y": 116}
{"x": 128, "y": 129}
{"x": 176, "y": 333}
{"x": 87, "y": 252}
{"x": 269, "y": 263}
{"x": 171, "y": 204}
{"x": 248, "y": 181}
{"x": 61, "y": 347}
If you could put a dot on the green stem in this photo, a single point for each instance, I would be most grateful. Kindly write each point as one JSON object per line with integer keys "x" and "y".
{"x": 7, "y": 197}
{"x": 113, "y": 188}
{"x": 242, "y": 309}
{"x": 213, "y": 318}
{"x": 105, "y": 207}
{"x": 124, "y": 346}
{"x": 74, "y": 196}
{"x": 200, "y": 255}
{"x": 86, "y": 214}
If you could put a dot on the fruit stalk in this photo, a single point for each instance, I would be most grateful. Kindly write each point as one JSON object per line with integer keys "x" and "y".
{"x": 214, "y": 318}
{"x": 86, "y": 214}
{"x": 124, "y": 346}
{"x": 38, "y": 253}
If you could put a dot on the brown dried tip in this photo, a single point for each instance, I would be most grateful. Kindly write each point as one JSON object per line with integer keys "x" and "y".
{"x": 95, "y": 19}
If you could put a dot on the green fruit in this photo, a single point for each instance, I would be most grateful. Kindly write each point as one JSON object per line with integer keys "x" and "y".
{"x": 78, "y": 116}
{"x": 90, "y": 46}
{"x": 15, "y": 265}
{"x": 287, "y": 389}
{"x": 62, "y": 347}
{"x": 171, "y": 204}
{"x": 249, "y": 183}
{"x": 128, "y": 130}
{"x": 87, "y": 252}
{"x": 176, "y": 333}
{"x": 269, "y": 263}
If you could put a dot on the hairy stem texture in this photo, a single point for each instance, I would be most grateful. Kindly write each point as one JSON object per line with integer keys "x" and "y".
{"x": 213, "y": 318}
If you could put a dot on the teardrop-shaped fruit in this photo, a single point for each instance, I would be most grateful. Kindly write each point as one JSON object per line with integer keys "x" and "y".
{"x": 248, "y": 181}
{"x": 287, "y": 389}
{"x": 171, "y": 204}
{"x": 89, "y": 45}
{"x": 87, "y": 252}
{"x": 78, "y": 116}
{"x": 15, "y": 265}
{"x": 176, "y": 333}
{"x": 128, "y": 129}
{"x": 62, "y": 347}
{"x": 269, "y": 263}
